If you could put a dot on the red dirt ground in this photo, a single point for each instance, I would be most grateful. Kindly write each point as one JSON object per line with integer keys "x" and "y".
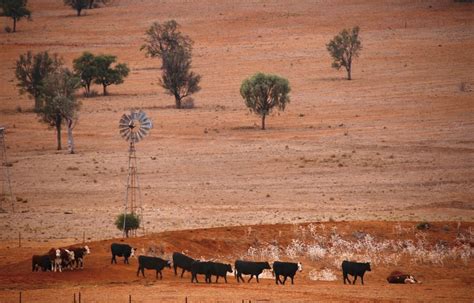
{"x": 395, "y": 144}
{"x": 102, "y": 282}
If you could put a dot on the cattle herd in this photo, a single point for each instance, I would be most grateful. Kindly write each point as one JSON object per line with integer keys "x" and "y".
{"x": 71, "y": 258}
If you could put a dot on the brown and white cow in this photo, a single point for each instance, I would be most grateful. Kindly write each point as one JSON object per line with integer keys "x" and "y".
{"x": 397, "y": 277}
{"x": 55, "y": 257}
{"x": 79, "y": 254}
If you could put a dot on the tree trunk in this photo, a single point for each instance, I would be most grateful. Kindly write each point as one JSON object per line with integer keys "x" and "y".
{"x": 70, "y": 138}
{"x": 126, "y": 233}
{"x": 38, "y": 104}
{"x": 14, "y": 24}
{"x": 58, "y": 129}
{"x": 178, "y": 101}
{"x": 88, "y": 89}
{"x": 90, "y": 4}
{"x": 263, "y": 122}
{"x": 79, "y": 11}
{"x": 105, "y": 89}
{"x": 349, "y": 72}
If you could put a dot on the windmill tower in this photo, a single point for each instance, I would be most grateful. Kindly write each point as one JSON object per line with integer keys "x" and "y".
{"x": 6, "y": 195}
{"x": 133, "y": 127}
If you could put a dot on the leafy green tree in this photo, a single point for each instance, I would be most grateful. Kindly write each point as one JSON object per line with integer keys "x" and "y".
{"x": 263, "y": 92}
{"x": 60, "y": 104}
{"x": 165, "y": 41}
{"x": 107, "y": 75}
{"x": 344, "y": 48}
{"x": 127, "y": 222}
{"x": 77, "y": 5}
{"x": 15, "y": 9}
{"x": 31, "y": 70}
{"x": 85, "y": 68}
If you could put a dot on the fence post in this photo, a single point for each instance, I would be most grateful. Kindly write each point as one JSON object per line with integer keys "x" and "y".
{"x": 74, "y": 300}
{"x": 20, "y": 297}
{"x": 83, "y": 237}
{"x": 185, "y": 299}
{"x": 19, "y": 239}
{"x": 129, "y": 298}
{"x": 79, "y": 297}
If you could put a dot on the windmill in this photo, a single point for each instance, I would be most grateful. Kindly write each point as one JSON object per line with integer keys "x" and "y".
{"x": 133, "y": 127}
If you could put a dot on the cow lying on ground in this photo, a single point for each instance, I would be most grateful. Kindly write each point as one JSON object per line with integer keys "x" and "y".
{"x": 152, "y": 263}
{"x": 397, "y": 277}
{"x": 122, "y": 250}
{"x": 182, "y": 261}
{"x": 79, "y": 254}
{"x": 249, "y": 268}
{"x": 202, "y": 268}
{"x": 43, "y": 262}
{"x": 354, "y": 269}
{"x": 285, "y": 269}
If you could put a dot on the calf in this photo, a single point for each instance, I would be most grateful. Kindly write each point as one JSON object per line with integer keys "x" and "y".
{"x": 354, "y": 269}
{"x": 220, "y": 270}
{"x": 249, "y": 268}
{"x": 152, "y": 263}
{"x": 182, "y": 261}
{"x": 55, "y": 259}
{"x": 67, "y": 258}
{"x": 79, "y": 254}
{"x": 41, "y": 261}
{"x": 203, "y": 268}
{"x": 397, "y": 277}
{"x": 285, "y": 269}
{"x": 122, "y": 250}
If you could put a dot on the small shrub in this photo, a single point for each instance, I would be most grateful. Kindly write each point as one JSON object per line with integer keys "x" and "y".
{"x": 132, "y": 222}
{"x": 423, "y": 225}
{"x": 323, "y": 275}
{"x": 18, "y": 109}
{"x": 187, "y": 103}
{"x": 8, "y": 29}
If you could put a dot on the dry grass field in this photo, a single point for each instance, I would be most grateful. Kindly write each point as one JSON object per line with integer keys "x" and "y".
{"x": 394, "y": 144}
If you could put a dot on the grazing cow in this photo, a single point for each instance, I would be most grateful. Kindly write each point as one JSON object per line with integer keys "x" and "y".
{"x": 122, "y": 250}
{"x": 67, "y": 258}
{"x": 354, "y": 269}
{"x": 152, "y": 263}
{"x": 285, "y": 269}
{"x": 220, "y": 270}
{"x": 182, "y": 261}
{"x": 55, "y": 258}
{"x": 41, "y": 261}
{"x": 79, "y": 254}
{"x": 249, "y": 268}
{"x": 202, "y": 268}
{"x": 397, "y": 277}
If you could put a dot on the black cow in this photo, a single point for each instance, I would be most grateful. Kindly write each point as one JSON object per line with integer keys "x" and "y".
{"x": 285, "y": 269}
{"x": 354, "y": 269}
{"x": 220, "y": 270}
{"x": 79, "y": 255}
{"x": 41, "y": 261}
{"x": 122, "y": 250}
{"x": 249, "y": 268}
{"x": 203, "y": 268}
{"x": 182, "y": 261}
{"x": 152, "y": 263}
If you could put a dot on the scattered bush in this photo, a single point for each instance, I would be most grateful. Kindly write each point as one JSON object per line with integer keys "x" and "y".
{"x": 127, "y": 222}
{"x": 8, "y": 29}
{"x": 423, "y": 225}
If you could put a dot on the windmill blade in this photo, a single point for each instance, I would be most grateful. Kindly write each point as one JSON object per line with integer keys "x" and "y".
{"x": 124, "y": 132}
{"x": 141, "y": 115}
{"x": 147, "y": 123}
{"x": 143, "y": 133}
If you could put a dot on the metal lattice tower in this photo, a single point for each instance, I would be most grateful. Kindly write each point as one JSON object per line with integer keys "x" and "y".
{"x": 6, "y": 195}
{"x": 133, "y": 128}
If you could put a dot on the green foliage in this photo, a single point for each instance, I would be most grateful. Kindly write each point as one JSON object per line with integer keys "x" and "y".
{"x": 263, "y": 92}
{"x": 127, "y": 222}
{"x": 108, "y": 75}
{"x": 85, "y": 68}
{"x": 344, "y": 48}
{"x": 31, "y": 71}
{"x": 166, "y": 42}
{"x": 77, "y": 5}
{"x": 60, "y": 104}
{"x": 15, "y": 9}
